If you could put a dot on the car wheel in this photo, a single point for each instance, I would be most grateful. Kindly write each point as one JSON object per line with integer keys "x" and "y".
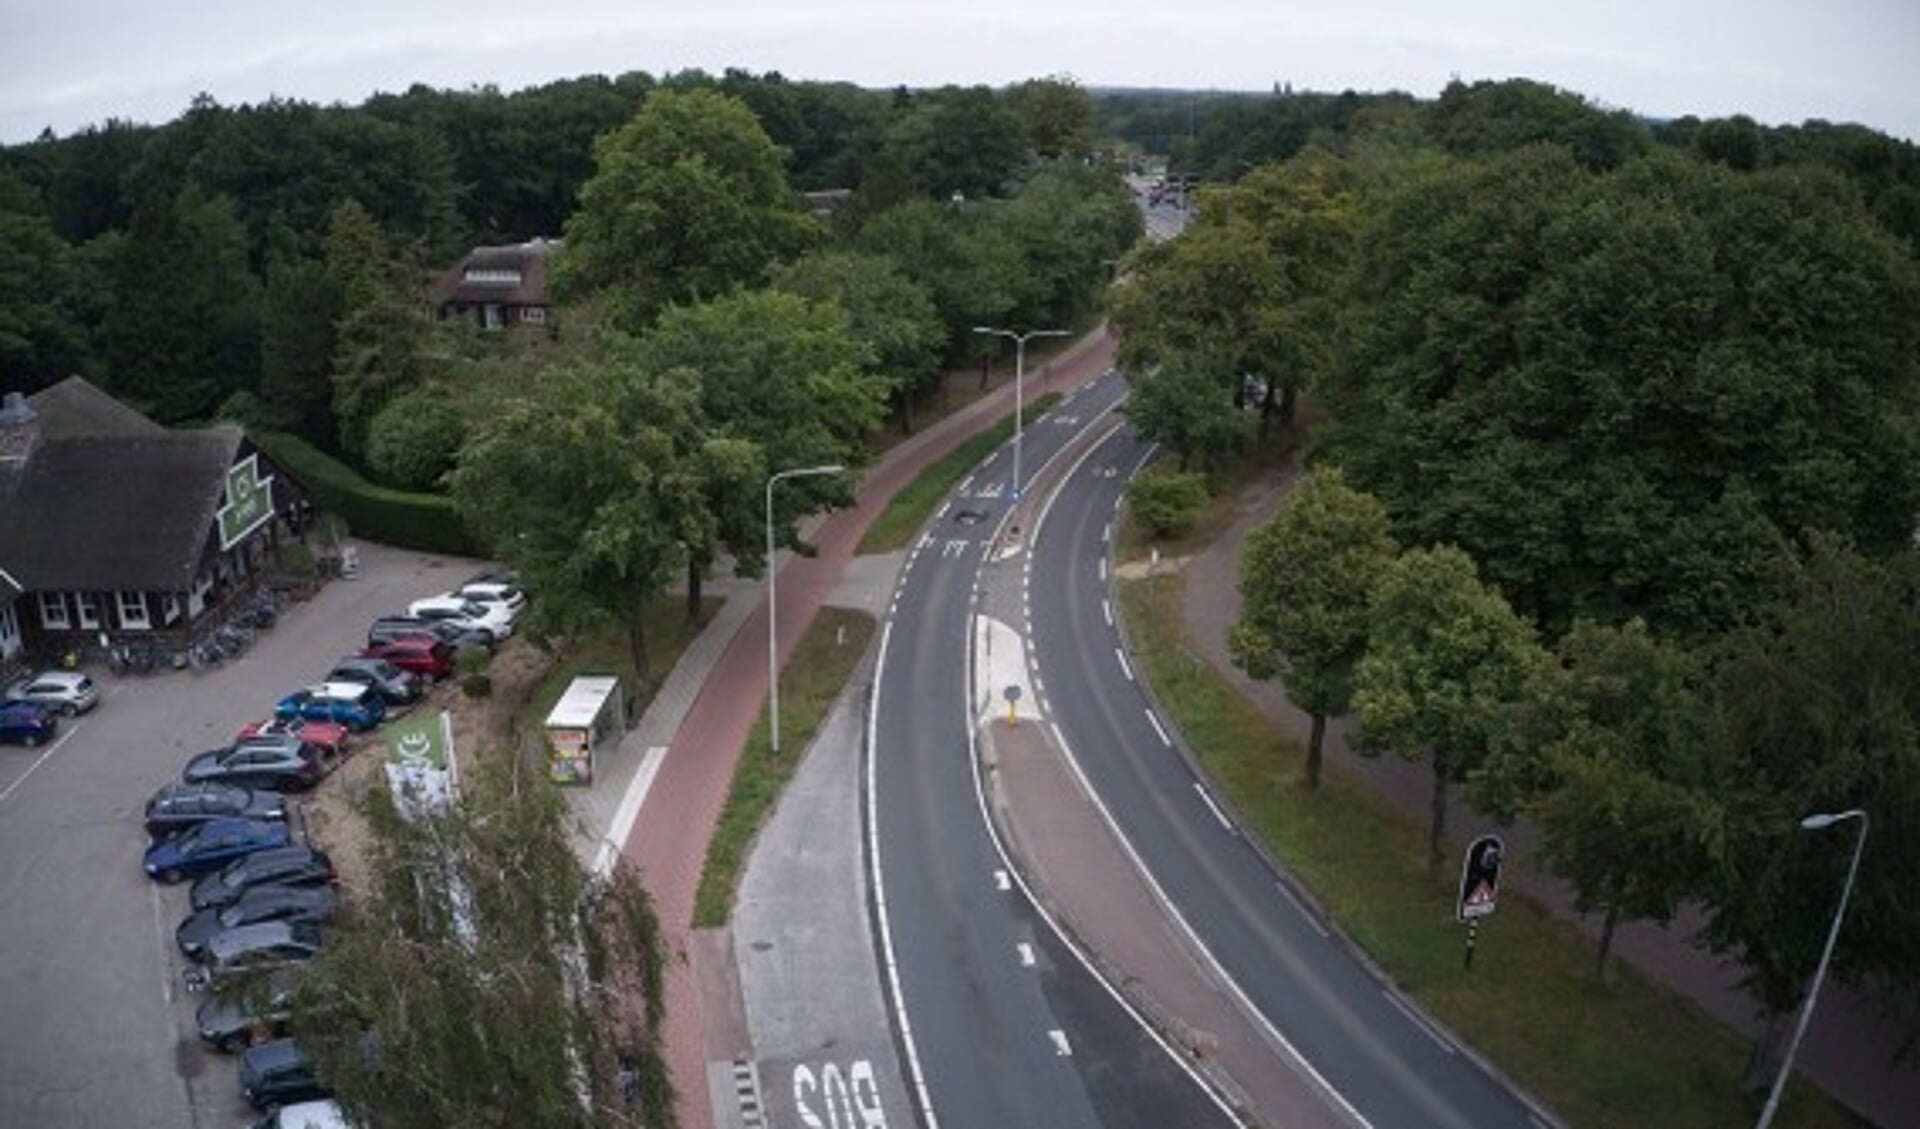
{"x": 68, "y": 709}
{"x": 231, "y": 1044}
{"x": 170, "y": 876}
{"x": 35, "y": 740}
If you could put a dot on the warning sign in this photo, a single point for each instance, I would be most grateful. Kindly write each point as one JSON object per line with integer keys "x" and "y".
{"x": 1480, "y": 877}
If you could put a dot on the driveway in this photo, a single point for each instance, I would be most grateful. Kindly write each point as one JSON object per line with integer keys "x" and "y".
{"x": 98, "y": 1028}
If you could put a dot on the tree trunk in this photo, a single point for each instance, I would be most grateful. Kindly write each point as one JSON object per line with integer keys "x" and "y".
{"x": 986, "y": 368}
{"x": 906, "y": 412}
{"x": 1289, "y": 401}
{"x": 1606, "y": 943}
{"x": 696, "y": 576}
{"x": 637, "y": 651}
{"x": 1437, "y": 827}
{"x": 1314, "y": 742}
{"x": 1763, "y": 1059}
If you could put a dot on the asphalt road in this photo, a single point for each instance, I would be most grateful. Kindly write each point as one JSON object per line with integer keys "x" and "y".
{"x": 97, "y": 1027}
{"x": 1007, "y": 1026}
{"x": 1387, "y": 1065}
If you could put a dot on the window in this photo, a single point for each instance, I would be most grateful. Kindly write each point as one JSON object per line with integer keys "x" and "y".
{"x": 534, "y": 315}
{"x": 169, "y": 608}
{"x": 9, "y": 632}
{"x": 197, "y": 599}
{"x": 133, "y": 611}
{"x": 491, "y": 276}
{"x": 53, "y": 611}
{"x": 86, "y": 606}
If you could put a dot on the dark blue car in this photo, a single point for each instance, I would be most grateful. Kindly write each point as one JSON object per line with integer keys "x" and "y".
{"x": 211, "y": 846}
{"x": 27, "y": 723}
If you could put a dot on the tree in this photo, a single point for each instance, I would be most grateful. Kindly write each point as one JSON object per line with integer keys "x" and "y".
{"x": 688, "y": 200}
{"x": 1307, "y": 581}
{"x": 42, "y": 339}
{"x": 1069, "y": 223}
{"x": 413, "y": 440}
{"x": 1447, "y": 663}
{"x": 588, "y": 486}
{"x": 382, "y": 327}
{"x": 1165, "y": 502}
{"x": 297, "y": 315}
{"x": 890, "y": 316}
{"x": 971, "y": 270}
{"x": 1057, "y": 116}
{"x": 1178, "y": 404}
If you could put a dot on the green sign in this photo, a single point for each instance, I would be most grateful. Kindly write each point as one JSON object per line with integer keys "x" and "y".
{"x": 249, "y": 501}
{"x": 418, "y": 741}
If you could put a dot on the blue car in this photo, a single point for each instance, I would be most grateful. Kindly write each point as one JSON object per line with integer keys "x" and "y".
{"x": 351, "y": 704}
{"x": 27, "y": 723}
{"x": 211, "y": 846}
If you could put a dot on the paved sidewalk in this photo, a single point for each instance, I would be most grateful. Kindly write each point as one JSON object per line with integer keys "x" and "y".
{"x": 725, "y": 677}
{"x": 1848, "y": 1047}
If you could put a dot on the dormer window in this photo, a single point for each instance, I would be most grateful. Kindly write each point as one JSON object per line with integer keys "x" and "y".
{"x": 489, "y": 276}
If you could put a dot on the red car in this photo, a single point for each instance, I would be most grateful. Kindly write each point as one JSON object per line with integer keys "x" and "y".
{"x": 329, "y": 736}
{"x": 424, "y": 655}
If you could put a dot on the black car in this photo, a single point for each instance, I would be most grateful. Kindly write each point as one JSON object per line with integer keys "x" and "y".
{"x": 281, "y": 762}
{"x": 395, "y": 686}
{"x": 313, "y": 904}
{"x": 286, "y": 866}
{"x": 279, "y": 1073}
{"x": 247, "y": 950}
{"x": 389, "y": 627}
{"x": 181, "y": 806}
{"x": 227, "y": 1019}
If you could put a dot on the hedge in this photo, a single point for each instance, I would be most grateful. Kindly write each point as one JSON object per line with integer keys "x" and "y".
{"x": 427, "y": 522}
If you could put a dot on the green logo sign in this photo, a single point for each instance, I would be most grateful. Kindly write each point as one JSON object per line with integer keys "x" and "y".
{"x": 417, "y": 742}
{"x": 249, "y": 501}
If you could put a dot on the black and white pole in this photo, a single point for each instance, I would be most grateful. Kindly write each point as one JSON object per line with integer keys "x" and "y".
{"x": 1479, "y": 888}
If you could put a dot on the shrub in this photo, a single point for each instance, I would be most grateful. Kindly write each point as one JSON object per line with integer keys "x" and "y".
{"x": 426, "y": 522}
{"x": 1166, "y": 503}
{"x": 412, "y": 441}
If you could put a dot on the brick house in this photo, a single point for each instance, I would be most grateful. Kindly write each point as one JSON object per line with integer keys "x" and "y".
{"x": 498, "y": 287}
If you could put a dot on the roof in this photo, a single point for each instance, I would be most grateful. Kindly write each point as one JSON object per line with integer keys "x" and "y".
{"x": 585, "y": 695}
{"x": 514, "y": 275}
{"x": 75, "y": 407}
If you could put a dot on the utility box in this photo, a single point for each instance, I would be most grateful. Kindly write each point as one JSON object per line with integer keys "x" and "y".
{"x": 589, "y": 717}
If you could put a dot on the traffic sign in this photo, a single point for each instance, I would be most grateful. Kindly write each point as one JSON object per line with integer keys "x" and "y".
{"x": 1480, "y": 877}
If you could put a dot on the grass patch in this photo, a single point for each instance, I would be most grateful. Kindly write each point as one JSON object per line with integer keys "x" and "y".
{"x": 908, "y": 509}
{"x": 1259, "y": 458}
{"x": 1624, "y": 1053}
{"x": 811, "y": 680}
{"x": 668, "y": 634}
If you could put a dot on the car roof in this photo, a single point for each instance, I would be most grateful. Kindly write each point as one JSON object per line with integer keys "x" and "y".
{"x": 256, "y": 935}
{"x": 273, "y": 893}
{"x": 275, "y": 1052}
{"x": 275, "y": 857}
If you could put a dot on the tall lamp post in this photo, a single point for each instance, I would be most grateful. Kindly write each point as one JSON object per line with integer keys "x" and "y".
{"x": 1019, "y": 383}
{"x": 1818, "y": 822}
{"x": 773, "y": 644}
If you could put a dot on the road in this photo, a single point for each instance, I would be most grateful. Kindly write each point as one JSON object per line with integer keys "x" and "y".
{"x": 1384, "y": 1063}
{"x": 1004, "y": 1025}
{"x": 98, "y": 1030}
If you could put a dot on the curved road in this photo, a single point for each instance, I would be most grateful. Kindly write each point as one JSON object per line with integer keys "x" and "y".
{"x": 1381, "y": 1062}
{"x": 1004, "y": 1026}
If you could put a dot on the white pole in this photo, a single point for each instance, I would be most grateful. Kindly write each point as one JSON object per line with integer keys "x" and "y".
{"x": 773, "y": 637}
{"x": 1816, "y": 823}
{"x": 1019, "y": 386}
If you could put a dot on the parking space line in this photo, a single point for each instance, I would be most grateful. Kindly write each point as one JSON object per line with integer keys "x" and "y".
{"x": 38, "y": 761}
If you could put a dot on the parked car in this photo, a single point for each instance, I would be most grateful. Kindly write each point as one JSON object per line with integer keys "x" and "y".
{"x": 329, "y": 736}
{"x": 27, "y": 723}
{"x": 278, "y": 1073}
{"x": 212, "y": 845}
{"x": 286, "y": 866}
{"x": 282, "y": 763}
{"x": 63, "y": 691}
{"x": 260, "y": 947}
{"x": 180, "y": 806}
{"x": 396, "y": 687}
{"x": 424, "y": 655}
{"x": 227, "y": 1019}
{"x": 314, "y": 904}
{"x": 323, "y": 1114}
{"x": 490, "y": 618}
{"x": 507, "y": 595}
{"x": 349, "y": 703}
{"x": 408, "y": 627}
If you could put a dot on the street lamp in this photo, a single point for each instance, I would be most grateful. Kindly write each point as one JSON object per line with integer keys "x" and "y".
{"x": 1817, "y": 822}
{"x": 773, "y": 646}
{"x": 1019, "y": 383}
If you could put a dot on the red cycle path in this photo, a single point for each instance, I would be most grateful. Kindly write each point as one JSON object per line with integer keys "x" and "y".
{"x": 669, "y": 840}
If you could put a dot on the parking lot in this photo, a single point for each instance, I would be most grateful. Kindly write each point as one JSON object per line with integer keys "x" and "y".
{"x": 98, "y": 1027}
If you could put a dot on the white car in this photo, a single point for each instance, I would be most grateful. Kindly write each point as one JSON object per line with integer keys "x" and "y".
{"x": 490, "y": 618}
{"x": 498, "y": 592}
{"x": 63, "y": 692}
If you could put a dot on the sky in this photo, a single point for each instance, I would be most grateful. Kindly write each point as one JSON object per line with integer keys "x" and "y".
{"x": 70, "y": 63}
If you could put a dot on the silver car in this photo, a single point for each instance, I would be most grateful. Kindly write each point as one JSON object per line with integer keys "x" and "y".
{"x": 63, "y": 691}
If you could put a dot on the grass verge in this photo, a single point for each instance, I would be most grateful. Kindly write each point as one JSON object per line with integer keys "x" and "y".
{"x": 1624, "y": 1053}
{"x": 811, "y": 680}
{"x": 908, "y": 509}
{"x": 668, "y": 634}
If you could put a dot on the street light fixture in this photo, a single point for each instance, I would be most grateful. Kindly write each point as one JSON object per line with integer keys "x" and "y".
{"x": 773, "y": 645}
{"x": 1019, "y": 384}
{"x": 1819, "y": 821}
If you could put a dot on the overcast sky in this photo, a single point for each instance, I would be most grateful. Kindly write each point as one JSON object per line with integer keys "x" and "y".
{"x": 68, "y": 63}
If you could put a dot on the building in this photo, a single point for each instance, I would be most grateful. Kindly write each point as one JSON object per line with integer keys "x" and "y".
{"x": 116, "y": 530}
{"x": 498, "y": 287}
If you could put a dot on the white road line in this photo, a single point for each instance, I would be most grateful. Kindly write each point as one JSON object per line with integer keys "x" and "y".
{"x": 966, "y": 485}
{"x": 1159, "y": 730}
{"x": 38, "y": 761}
{"x": 161, "y": 949}
{"x": 1060, "y": 1045}
{"x": 1103, "y": 570}
{"x": 1026, "y": 954}
{"x": 1106, "y": 609}
{"x": 1312, "y": 919}
{"x": 1426, "y": 1028}
{"x": 1124, "y": 666}
{"x": 629, "y": 810}
{"x": 1118, "y": 501}
{"x": 1039, "y": 687}
{"x": 942, "y": 511}
{"x": 1106, "y": 533}
{"x": 1212, "y": 807}
{"x": 1001, "y": 882}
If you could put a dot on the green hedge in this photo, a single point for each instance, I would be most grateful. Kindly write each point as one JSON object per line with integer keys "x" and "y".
{"x": 427, "y": 522}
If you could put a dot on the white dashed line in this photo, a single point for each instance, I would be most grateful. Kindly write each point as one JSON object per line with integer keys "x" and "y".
{"x": 1426, "y": 1028}
{"x": 1060, "y": 1046}
{"x": 1159, "y": 729}
{"x": 1106, "y": 533}
{"x": 1211, "y": 806}
{"x": 1103, "y": 569}
{"x": 942, "y": 511}
{"x": 1026, "y": 954}
{"x": 1124, "y": 667}
{"x": 1001, "y": 881}
{"x": 1106, "y": 609}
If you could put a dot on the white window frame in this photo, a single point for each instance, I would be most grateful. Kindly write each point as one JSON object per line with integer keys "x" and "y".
{"x": 197, "y": 597}
{"x": 169, "y": 607}
{"x": 534, "y": 315}
{"x": 10, "y": 640}
{"x": 53, "y": 612}
{"x": 133, "y": 610}
{"x": 86, "y": 610}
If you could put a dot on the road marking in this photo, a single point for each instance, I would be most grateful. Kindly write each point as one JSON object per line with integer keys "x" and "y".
{"x": 1106, "y": 608}
{"x": 1026, "y": 954}
{"x": 1212, "y": 807}
{"x": 1001, "y": 882}
{"x": 942, "y": 511}
{"x": 965, "y": 485}
{"x": 1426, "y": 1028}
{"x": 160, "y": 950}
{"x": 40, "y": 760}
{"x": 1039, "y": 687}
{"x": 1124, "y": 667}
{"x": 1118, "y": 501}
{"x": 1103, "y": 569}
{"x": 629, "y": 810}
{"x": 1106, "y": 533}
{"x": 1159, "y": 730}
{"x": 1311, "y": 918}
{"x": 1060, "y": 1046}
